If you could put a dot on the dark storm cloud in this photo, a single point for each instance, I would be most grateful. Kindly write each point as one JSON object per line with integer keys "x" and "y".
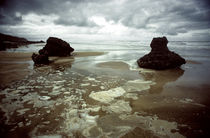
{"x": 180, "y": 17}
{"x": 9, "y": 8}
{"x": 75, "y": 14}
{"x": 11, "y": 19}
{"x": 164, "y": 16}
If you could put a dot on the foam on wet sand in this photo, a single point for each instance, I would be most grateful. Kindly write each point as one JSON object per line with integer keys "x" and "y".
{"x": 137, "y": 85}
{"x": 75, "y": 102}
{"x": 107, "y": 96}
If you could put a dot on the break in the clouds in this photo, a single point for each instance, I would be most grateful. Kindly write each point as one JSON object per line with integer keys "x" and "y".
{"x": 120, "y": 19}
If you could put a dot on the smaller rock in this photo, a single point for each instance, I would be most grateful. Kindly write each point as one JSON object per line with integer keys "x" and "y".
{"x": 40, "y": 59}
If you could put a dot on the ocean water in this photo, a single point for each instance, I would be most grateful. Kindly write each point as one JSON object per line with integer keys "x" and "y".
{"x": 130, "y": 51}
{"x": 184, "y": 48}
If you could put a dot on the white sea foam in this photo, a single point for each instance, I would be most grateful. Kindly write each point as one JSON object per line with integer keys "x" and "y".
{"x": 79, "y": 120}
{"x": 190, "y": 101}
{"x": 84, "y": 84}
{"x": 90, "y": 79}
{"x": 49, "y": 136}
{"x": 22, "y": 111}
{"x": 133, "y": 96}
{"x": 94, "y": 109}
{"x": 44, "y": 98}
{"x": 107, "y": 96}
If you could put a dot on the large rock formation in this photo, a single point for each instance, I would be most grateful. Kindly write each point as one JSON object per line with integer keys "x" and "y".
{"x": 160, "y": 57}
{"x": 54, "y": 47}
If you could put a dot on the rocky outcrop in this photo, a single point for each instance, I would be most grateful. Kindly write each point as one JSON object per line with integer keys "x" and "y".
{"x": 160, "y": 57}
{"x": 54, "y": 47}
{"x": 8, "y": 41}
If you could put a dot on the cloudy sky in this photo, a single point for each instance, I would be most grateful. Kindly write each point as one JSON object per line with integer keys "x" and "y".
{"x": 106, "y": 19}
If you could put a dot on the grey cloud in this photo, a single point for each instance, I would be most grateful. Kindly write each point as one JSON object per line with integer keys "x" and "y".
{"x": 75, "y": 15}
{"x": 60, "y": 8}
{"x": 78, "y": 21}
{"x": 191, "y": 12}
{"x": 79, "y": 14}
{"x": 11, "y": 19}
{"x": 172, "y": 30}
{"x": 202, "y": 36}
{"x": 181, "y": 17}
{"x": 9, "y": 8}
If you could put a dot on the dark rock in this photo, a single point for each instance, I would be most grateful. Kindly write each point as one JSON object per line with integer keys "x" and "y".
{"x": 10, "y": 38}
{"x": 40, "y": 59}
{"x": 159, "y": 44}
{"x": 54, "y": 47}
{"x": 160, "y": 57}
{"x": 2, "y": 46}
{"x": 43, "y": 52}
{"x": 57, "y": 47}
{"x": 8, "y": 41}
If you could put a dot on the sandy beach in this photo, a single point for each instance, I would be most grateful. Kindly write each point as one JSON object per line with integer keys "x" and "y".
{"x": 79, "y": 96}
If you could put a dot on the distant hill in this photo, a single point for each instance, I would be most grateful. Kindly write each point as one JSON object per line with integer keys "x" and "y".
{"x": 8, "y": 41}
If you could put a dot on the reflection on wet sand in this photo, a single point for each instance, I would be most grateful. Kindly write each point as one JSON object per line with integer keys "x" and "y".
{"x": 161, "y": 78}
{"x": 170, "y": 99}
{"x": 56, "y": 63}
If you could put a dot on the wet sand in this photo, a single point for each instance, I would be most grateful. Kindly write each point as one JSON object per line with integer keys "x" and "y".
{"x": 87, "y": 54}
{"x": 12, "y": 72}
{"x": 15, "y": 66}
{"x": 75, "y": 97}
{"x": 114, "y": 65}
